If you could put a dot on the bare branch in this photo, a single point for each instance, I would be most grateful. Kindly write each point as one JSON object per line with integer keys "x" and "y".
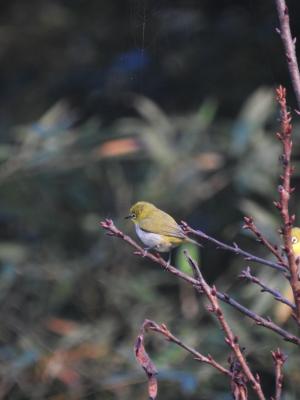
{"x": 265, "y": 322}
{"x": 285, "y": 191}
{"x": 250, "y": 225}
{"x": 234, "y": 249}
{"x": 230, "y": 338}
{"x": 289, "y": 46}
{"x": 246, "y": 274}
{"x": 162, "y": 329}
{"x": 279, "y": 359}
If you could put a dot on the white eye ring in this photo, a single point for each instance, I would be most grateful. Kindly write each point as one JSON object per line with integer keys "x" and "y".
{"x": 294, "y": 240}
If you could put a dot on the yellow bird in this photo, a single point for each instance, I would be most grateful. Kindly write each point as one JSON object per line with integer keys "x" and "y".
{"x": 157, "y": 229}
{"x": 295, "y": 233}
{"x": 282, "y": 311}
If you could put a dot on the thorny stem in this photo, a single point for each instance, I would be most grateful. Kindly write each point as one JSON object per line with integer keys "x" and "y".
{"x": 250, "y": 225}
{"x": 234, "y": 249}
{"x": 279, "y": 359}
{"x": 285, "y": 191}
{"x": 246, "y": 274}
{"x": 266, "y": 322}
{"x": 289, "y": 45}
{"x": 230, "y": 338}
{"x": 162, "y": 329}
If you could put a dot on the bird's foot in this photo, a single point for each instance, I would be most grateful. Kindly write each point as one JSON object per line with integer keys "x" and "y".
{"x": 145, "y": 252}
{"x": 168, "y": 261}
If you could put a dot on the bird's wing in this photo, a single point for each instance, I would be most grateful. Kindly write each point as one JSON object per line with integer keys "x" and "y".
{"x": 162, "y": 224}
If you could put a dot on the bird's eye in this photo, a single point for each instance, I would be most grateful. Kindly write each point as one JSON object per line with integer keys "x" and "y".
{"x": 133, "y": 215}
{"x": 294, "y": 240}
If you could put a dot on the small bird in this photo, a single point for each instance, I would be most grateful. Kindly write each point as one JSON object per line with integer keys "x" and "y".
{"x": 295, "y": 233}
{"x": 283, "y": 312}
{"x": 157, "y": 229}
{"x": 295, "y": 238}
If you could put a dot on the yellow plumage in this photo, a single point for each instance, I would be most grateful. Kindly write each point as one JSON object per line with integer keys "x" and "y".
{"x": 157, "y": 229}
{"x": 296, "y": 241}
{"x": 282, "y": 311}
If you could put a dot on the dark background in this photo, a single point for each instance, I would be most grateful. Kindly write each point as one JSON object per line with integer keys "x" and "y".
{"x": 103, "y": 103}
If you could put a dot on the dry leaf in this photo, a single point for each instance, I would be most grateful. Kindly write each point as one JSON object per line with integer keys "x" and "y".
{"x": 144, "y": 360}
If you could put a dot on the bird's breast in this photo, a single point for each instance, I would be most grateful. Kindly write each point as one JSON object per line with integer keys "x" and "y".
{"x": 153, "y": 240}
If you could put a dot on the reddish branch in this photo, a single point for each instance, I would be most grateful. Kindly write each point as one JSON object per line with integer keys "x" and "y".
{"x": 235, "y": 373}
{"x": 279, "y": 359}
{"x": 289, "y": 46}
{"x": 162, "y": 329}
{"x": 265, "y": 322}
{"x": 285, "y": 191}
{"x": 246, "y": 274}
{"x": 234, "y": 249}
{"x": 250, "y": 225}
{"x": 230, "y": 338}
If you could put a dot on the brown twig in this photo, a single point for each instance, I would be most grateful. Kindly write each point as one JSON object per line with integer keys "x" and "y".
{"x": 250, "y": 225}
{"x": 279, "y": 359}
{"x": 285, "y": 191}
{"x": 162, "y": 329}
{"x": 265, "y": 322}
{"x": 237, "y": 377}
{"x": 289, "y": 46}
{"x": 230, "y": 338}
{"x": 234, "y": 249}
{"x": 259, "y": 320}
{"x": 246, "y": 274}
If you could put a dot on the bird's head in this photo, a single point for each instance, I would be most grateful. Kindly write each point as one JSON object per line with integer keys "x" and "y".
{"x": 295, "y": 233}
{"x": 140, "y": 210}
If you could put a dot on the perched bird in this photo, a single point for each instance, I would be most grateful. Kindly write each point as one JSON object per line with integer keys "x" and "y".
{"x": 283, "y": 312}
{"x": 157, "y": 229}
{"x": 295, "y": 233}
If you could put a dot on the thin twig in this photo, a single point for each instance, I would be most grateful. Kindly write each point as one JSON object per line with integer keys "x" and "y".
{"x": 250, "y": 225}
{"x": 153, "y": 326}
{"x": 247, "y": 275}
{"x": 285, "y": 191}
{"x": 239, "y": 391}
{"x": 234, "y": 249}
{"x": 279, "y": 359}
{"x": 289, "y": 46}
{"x": 265, "y": 322}
{"x": 230, "y": 338}
{"x": 259, "y": 320}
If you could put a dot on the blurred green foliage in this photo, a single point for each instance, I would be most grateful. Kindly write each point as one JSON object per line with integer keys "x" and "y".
{"x": 103, "y": 104}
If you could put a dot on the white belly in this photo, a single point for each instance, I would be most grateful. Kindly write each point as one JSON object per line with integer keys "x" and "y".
{"x": 152, "y": 240}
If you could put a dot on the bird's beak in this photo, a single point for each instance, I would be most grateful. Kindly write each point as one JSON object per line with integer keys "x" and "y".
{"x": 128, "y": 216}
